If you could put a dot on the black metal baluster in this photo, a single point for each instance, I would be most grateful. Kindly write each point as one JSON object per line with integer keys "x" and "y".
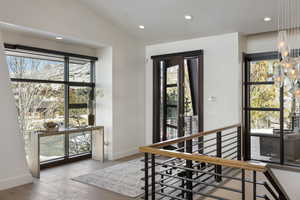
{"x": 153, "y": 176}
{"x": 266, "y": 197}
{"x": 218, "y": 168}
{"x": 191, "y": 125}
{"x": 146, "y": 177}
{"x": 162, "y": 181}
{"x": 189, "y": 173}
{"x": 239, "y": 143}
{"x": 254, "y": 185}
{"x": 243, "y": 184}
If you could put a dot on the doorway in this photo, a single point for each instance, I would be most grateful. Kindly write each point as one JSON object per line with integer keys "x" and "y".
{"x": 178, "y": 95}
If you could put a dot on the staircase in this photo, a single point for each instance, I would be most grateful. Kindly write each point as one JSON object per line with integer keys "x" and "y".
{"x": 206, "y": 165}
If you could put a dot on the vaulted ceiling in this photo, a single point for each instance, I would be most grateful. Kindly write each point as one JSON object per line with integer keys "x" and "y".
{"x": 164, "y": 19}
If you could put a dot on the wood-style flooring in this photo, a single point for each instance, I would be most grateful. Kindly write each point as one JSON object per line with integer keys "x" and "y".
{"x": 56, "y": 184}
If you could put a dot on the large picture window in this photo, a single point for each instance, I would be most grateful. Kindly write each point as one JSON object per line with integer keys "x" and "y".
{"x": 52, "y": 86}
{"x": 271, "y": 113}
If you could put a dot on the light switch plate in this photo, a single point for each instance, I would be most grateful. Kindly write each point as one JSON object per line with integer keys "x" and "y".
{"x": 212, "y": 98}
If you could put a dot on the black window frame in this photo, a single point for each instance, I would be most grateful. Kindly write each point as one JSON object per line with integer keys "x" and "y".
{"x": 247, "y": 59}
{"x": 67, "y": 84}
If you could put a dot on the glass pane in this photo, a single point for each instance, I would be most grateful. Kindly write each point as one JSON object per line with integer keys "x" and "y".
{"x": 35, "y": 68}
{"x": 80, "y": 143}
{"x": 291, "y": 106}
{"x": 172, "y": 75}
{"x": 191, "y": 90}
{"x": 38, "y": 103}
{"x": 291, "y": 124}
{"x": 171, "y": 133}
{"x": 262, "y": 70}
{"x": 52, "y": 147}
{"x": 172, "y": 95}
{"x": 264, "y": 96}
{"x": 79, "y": 70}
{"x": 264, "y": 121}
{"x": 188, "y": 107}
{"x": 172, "y": 113}
{"x": 292, "y": 148}
{"x": 191, "y": 124}
{"x": 162, "y": 103}
{"x": 79, "y": 95}
{"x": 78, "y": 117}
{"x": 265, "y": 148}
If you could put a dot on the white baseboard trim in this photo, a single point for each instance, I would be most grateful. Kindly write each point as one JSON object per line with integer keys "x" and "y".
{"x": 123, "y": 154}
{"x": 15, "y": 181}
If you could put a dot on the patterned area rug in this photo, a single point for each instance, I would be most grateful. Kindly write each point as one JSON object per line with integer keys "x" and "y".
{"x": 123, "y": 178}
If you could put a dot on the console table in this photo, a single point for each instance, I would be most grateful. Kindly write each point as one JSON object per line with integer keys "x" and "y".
{"x": 97, "y": 133}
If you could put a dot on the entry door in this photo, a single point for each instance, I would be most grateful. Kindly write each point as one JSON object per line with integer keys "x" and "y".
{"x": 178, "y": 93}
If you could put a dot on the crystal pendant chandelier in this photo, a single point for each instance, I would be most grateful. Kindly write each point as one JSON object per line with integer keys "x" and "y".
{"x": 287, "y": 71}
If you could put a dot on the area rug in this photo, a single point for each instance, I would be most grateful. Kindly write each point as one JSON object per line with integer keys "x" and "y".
{"x": 123, "y": 178}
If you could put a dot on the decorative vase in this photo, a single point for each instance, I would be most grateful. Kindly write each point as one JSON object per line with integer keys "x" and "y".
{"x": 91, "y": 119}
{"x": 51, "y": 126}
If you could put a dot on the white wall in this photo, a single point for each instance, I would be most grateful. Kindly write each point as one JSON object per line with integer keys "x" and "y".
{"x": 13, "y": 168}
{"x": 289, "y": 181}
{"x": 121, "y": 58}
{"x": 222, "y": 78}
{"x": 265, "y": 42}
{"x": 17, "y": 37}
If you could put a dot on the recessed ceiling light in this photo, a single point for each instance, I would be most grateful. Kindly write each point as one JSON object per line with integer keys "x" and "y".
{"x": 58, "y": 38}
{"x": 267, "y": 19}
{"x": 141, "y": 27}
{"x": 188, "y": 17}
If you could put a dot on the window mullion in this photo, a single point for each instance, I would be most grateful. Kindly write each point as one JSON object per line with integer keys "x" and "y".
{"x": 281, "y": 125}
{"x": 66, "y": 102}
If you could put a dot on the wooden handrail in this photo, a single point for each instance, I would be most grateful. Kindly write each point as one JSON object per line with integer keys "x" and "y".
{"x": 260, "y": 167}
{"x": 189, "y": 137}
{"x": 156, "y": 149}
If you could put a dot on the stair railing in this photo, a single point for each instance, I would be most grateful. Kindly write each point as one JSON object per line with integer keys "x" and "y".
{"x": 202, "y": 163}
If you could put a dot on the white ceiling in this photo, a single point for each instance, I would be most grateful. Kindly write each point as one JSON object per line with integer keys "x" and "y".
{"x": 164, "y": 19}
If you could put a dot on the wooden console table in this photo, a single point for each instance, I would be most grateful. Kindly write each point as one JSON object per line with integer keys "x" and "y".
{"x": 97, "y": 144}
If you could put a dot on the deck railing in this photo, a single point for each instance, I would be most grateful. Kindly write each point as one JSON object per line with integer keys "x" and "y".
{"x": 201, "y": 163}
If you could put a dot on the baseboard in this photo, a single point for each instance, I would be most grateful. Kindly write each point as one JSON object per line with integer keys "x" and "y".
{"x": 123, "y": 154}
{"x": 15, "y": 181}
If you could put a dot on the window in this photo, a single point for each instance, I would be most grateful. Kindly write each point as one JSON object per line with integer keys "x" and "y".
{"x": 52, "y": 86}
{"x": 269, "y": 113}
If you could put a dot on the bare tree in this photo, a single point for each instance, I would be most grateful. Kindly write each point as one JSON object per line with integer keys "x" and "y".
{"x": 40, "y": 102}
{"x": 36, "y": 102}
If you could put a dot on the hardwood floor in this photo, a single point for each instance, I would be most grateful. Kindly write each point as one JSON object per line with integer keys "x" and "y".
{"x": 56, "y": 184}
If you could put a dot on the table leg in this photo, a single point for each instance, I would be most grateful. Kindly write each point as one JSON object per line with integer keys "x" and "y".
{"x": 98, "y": 145}
{"x": 35, "y": 155}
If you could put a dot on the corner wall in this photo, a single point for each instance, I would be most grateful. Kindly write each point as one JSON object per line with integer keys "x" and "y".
{"x": 122, "y": 72}
{"x": 222, "y": 78}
